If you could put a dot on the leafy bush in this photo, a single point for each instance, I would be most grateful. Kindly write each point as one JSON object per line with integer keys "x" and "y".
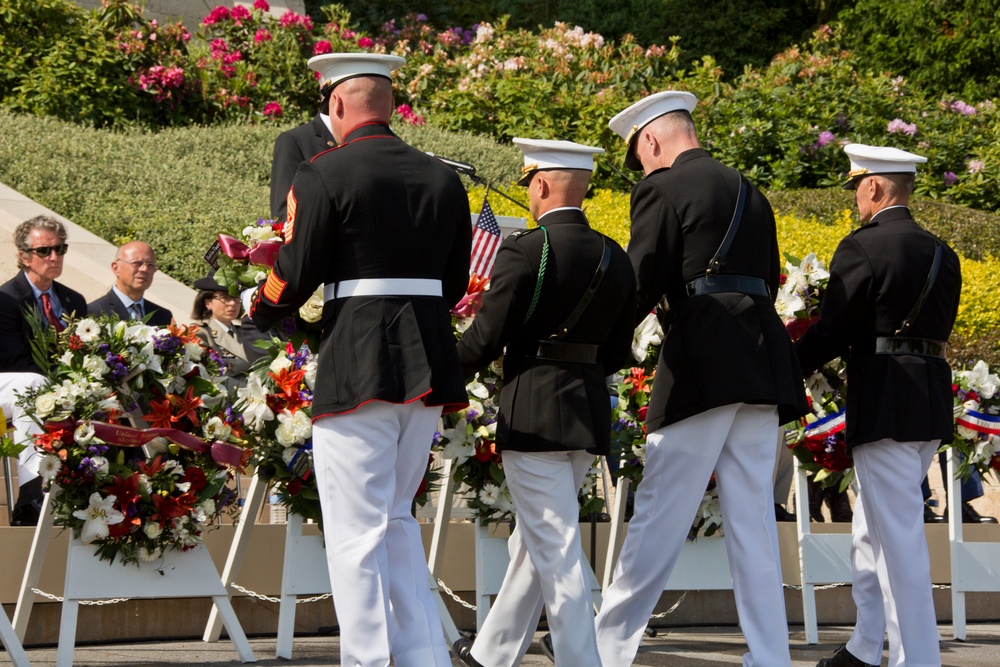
{"x": 945, "y": 46}
{"x": 784, "y": 126}
{"x": 178, "y": 187}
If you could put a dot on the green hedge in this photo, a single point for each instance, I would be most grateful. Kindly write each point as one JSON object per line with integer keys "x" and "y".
{"x": 178, "y": 187}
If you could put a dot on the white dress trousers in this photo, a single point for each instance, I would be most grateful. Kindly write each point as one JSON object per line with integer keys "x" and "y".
{"x": 24, "y": 426}
{"x": 369, "y": 464}
{"x": 891, "y": 565}
{"x": 546, "y": 565}
{"x": 738, "y": 442}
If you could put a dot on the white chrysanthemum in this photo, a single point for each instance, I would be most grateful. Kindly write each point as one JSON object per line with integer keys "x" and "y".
{"x": 489, "y": 495}
{"x": 49, "y": 467}
{"x": 281, "y": 362}
{"x": 294, "y": 428}
{"x": 87, "y": 330}
{"x": 148, "y": 555}
{"x": 966, "y": 433}
{"x": 152, "y": 530}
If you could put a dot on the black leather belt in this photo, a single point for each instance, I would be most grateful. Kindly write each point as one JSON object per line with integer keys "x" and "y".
{"x": 726, "y": 283}
{"x": 576, "y": 353}
{"x": 903, "y": 345}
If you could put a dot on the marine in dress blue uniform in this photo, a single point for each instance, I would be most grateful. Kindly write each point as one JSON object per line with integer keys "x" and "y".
{"x": 704, "y": 240}
{"x": 899, "y": 399}
{"x": 386, "y": 229}
{"x": 554, "y": 415}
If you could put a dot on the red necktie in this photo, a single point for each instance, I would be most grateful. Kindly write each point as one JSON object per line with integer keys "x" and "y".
{"x": 50, "y": 314}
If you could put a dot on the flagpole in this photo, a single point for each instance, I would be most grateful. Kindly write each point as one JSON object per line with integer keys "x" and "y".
{"x": 470, "y": 171}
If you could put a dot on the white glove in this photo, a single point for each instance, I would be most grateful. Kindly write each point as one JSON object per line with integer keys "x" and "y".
{"x": 246, "y": 296}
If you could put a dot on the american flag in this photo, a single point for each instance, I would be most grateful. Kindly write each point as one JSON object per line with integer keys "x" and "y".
{"x": 485, "y": 242}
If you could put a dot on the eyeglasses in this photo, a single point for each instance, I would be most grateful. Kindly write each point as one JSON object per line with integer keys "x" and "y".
{"x": 227, "y": 298}
{"x": 140, "y": 265}
{"x": 45, "y": 250}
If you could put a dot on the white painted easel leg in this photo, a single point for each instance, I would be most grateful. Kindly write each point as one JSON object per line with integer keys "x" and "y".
{"x": 435, "y": 558}
{"x": 809, "y": 618}
{"x": 33, "y": 572}
{"x": 15, "y": 652}
{"x": 955, "y": 539}
{"x": 237, "y": 550}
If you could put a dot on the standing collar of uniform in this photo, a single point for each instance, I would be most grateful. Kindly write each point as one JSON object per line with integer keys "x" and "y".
{"x": 562, "y": 214}
{"x": 897, "y": 212}
{"x": 369, "y": 129}
{"x": 325, "y": 121}
{"x": 686, "y": 156}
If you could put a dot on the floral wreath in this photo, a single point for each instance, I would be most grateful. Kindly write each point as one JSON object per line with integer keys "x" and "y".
{"x": 135, "y": 492}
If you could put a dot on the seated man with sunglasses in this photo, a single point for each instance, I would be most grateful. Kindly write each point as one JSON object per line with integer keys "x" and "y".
{"x": 41, "y": 246}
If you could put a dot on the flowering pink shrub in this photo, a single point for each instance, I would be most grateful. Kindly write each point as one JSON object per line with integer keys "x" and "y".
{"x": 272, "y": 109}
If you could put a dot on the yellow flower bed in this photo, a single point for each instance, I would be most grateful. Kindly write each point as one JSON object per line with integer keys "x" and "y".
{"x": 608, "y": 212}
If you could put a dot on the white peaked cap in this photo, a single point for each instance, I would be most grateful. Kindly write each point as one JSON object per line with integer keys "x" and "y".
{"x": 336, "y": 67}
{"x": 869, "y": 160}
{"x": 628, "y": 123}
{"x": 542, "y": 154}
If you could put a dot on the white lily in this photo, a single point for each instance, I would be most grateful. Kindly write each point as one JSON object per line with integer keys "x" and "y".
{"x": 97, "y": 517}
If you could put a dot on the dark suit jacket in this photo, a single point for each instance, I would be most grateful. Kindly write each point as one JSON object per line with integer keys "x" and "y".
{"x": 291, "y": 149}
{"x": 375, "y": 207}
{"x": 15, "y": 331}
{"x": 876, "y": 275}
{"x": 718, "y": 349}
{"x": 548, "y": 405}
{"x": 111, "y": 303}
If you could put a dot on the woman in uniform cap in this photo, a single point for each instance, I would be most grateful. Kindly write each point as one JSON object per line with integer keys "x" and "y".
{"x": 217, "y": 314}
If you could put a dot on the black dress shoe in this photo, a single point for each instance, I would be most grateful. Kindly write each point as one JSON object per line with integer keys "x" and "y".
{"x": 545, "y": 643}
{"x": 781, "y": 514}
{"x": 931, "y": 517}
{"x": 842, "y": 658}
{"x": 970, "y": 515}
{"x": 463, "y": 651}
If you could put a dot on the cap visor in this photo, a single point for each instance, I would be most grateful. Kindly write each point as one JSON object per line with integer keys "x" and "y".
{"x": 526, "y": 179}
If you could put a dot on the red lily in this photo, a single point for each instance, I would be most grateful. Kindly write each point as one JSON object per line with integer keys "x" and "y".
{"x": 125, "y": 490}
{"x": 639, "y": 381}
{"x": 160, "y": 417}
{"x": 187, "y": 405}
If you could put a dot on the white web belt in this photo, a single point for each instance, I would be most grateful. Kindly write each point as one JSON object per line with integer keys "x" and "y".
{"x": 382, "y": 287}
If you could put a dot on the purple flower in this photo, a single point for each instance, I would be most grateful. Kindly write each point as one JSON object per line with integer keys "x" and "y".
{"x": 958, "y": 106}
{"x": 897, "y": 125}
{"x": 166, "y": 343}
{"x": 950, "y": 178}
{"x": 470, "y": 415}
{"x": 825, "y": 137}
{"x": 288, "y": 326}
{"x": 421, "y": 18}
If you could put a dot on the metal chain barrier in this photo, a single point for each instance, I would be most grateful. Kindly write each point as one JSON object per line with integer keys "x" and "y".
{"x": 267, "y": 598}
{"x": 671, "y": 610}
{"x": 454, "y": 597}
{"x": 98, "y": 603}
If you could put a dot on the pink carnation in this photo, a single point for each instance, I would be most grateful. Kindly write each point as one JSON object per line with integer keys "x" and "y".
{"x": 272, "y": 109}
{"x": 365, "y": 42}
{"x": 261, "y": 5}
{"x": 219, "y": 48}
{"x": 322, "y": 46}
{"x": 239, "y": 12}
{"x": 346, "y": 33}
{"x": 262, "y": 35}
{"x": 220, "y": 13}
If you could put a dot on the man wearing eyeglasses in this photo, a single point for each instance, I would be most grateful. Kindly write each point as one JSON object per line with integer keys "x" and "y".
{"x": 134, "y": 267}
{"x": 41, "y": 246}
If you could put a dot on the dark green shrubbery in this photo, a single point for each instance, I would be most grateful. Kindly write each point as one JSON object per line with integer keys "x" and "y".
{"x": 177, "y": 188}
{"x": 944, "y": 46}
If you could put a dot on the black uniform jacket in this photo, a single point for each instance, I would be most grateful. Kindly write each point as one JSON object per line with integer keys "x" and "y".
{"x": 292, "y": 148}
{"x": 15, "y": 331}
{"x": 723, "y": 348}
{"x": 375, "y": 207}
{"x": 548, "y": 405}
{"x": 876, "y": 275}
{"x": 110, "y": 303}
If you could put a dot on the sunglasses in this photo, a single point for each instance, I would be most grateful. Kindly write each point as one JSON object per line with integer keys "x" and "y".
{"x": 45, "y": 250}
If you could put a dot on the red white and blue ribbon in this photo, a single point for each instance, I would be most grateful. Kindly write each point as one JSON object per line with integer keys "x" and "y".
{"x": 823, "y": 428}
{"x": 979, "y": 422}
